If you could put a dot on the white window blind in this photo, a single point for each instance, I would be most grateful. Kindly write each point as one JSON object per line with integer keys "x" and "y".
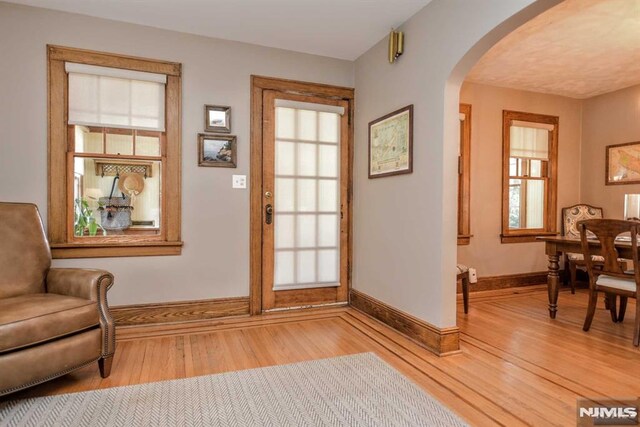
{"x": 113, "y": 97}
{"x": 529, "y": 142}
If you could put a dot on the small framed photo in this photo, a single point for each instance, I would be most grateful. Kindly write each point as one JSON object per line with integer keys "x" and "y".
{"x": 217, "y": 150}
{"x": 391, "y": 144}
{"x": 217, "y": 118}
{"x": 623, "y": 164}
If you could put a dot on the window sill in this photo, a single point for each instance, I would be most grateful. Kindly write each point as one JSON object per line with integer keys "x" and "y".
{"x": 464, "y": 239}
{"x": 109, "y": 250}
{"x": 524, "y": 237}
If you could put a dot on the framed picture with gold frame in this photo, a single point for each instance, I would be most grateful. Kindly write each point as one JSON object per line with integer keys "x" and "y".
{"x": 391, "y": 144}
{"x": 623, "y": 164}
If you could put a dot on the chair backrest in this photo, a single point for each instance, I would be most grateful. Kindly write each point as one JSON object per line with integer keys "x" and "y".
{"x": 573, "y": 214}
{"x": 606, "y": 231}
{"x": 25, "y": 257}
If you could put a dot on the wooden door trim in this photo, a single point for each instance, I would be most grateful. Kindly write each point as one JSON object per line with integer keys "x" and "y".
{"x": 258, "y": 85}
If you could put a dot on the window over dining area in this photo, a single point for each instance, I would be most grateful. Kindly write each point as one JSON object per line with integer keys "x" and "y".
{"x": 530, "y": 152}
{"x": 114, "y": 145}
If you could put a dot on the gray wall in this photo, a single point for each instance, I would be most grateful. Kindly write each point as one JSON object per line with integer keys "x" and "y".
{"x": 405, "y": 225}
{"x": 215, "y": 221}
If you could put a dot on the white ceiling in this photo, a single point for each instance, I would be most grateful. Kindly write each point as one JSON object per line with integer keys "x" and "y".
{"x": 342, "y": 29}
{"x": 580, "y": 49}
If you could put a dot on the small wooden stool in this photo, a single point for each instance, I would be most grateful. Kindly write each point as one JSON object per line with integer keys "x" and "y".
{"x": 463, "y": 276}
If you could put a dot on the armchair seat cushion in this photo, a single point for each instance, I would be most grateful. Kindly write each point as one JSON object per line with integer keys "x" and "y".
{"x": 36, "y": 318}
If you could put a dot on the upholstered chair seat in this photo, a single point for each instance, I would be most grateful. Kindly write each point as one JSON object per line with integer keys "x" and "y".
{"x": 622, "y": 283}
{"x": 52, "y": 320}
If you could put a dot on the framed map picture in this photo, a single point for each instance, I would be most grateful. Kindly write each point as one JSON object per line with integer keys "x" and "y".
{"x": 391, "y": 144}
{"x": 623, "y": 164}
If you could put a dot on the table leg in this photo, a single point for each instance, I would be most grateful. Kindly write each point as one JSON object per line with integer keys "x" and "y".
{"x": 553, "y": 283}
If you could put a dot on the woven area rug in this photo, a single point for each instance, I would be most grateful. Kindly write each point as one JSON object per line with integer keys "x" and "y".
{"x": 356, "y": 390}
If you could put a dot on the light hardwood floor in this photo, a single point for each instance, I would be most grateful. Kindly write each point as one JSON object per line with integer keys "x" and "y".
{"x": 517, "y": 366}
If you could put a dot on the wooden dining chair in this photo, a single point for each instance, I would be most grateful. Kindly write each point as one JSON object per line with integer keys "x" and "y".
{"x": 570, "y": 217}
{"x": 610, "y": 277}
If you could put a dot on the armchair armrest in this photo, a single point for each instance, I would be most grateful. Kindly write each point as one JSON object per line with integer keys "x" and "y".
{"x": 79, "y": 283}
{"x": 91, "y": 285}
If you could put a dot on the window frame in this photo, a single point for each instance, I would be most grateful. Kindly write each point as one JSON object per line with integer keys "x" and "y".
{"x": 61, "y": 153}
{"x": 550, "y": 225}
{"x": 464, "y": 178}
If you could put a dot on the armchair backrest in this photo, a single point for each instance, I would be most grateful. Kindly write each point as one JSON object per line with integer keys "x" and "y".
{"x": 572, "y": 214}
{"x": 25, "y": 257}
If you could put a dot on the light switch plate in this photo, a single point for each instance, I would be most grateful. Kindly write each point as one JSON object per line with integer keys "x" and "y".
{"x": 239, "y": 181}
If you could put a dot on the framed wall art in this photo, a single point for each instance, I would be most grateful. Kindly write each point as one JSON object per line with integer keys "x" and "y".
{"x": 217, "y": 150}
{"x": 217, "y": 118}
{"x": 391, "y": 144}
{"x": 623, "y": 164}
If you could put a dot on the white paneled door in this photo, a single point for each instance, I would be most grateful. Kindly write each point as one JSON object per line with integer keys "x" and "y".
{"x": 305, "y": 180}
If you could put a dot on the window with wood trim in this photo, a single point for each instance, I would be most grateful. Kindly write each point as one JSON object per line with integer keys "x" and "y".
{"x": 114, "y": 155}
{"x": 464, "y": 176}
{"x": 530, "y": 171}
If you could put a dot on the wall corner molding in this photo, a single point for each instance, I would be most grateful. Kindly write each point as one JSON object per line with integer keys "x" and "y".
{"x": 441, "y": 341}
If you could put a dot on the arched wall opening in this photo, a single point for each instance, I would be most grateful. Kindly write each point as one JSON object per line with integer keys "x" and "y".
{"x": 405, "y": 228}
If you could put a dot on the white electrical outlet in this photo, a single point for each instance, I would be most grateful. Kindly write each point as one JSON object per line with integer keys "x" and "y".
{"x": 239, "y": 181}
{"x": 473, "y": 275}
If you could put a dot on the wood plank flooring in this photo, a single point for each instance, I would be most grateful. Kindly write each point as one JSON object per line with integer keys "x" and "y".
{"x": 517, "y": 366}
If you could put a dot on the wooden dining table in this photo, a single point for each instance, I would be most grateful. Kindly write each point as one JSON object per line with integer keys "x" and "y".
{"x": 555, "y": 246}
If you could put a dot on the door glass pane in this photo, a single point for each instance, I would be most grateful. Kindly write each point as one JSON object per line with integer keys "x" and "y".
{"x": 285, "y": 156}
{"x": 328, "y": 127}
{"x": 307, "y": 199}
{"x": 328, "y": 263}
{"x": 306, "y": 195}
{"x": 306, "y": 231}
{"x": 328, "y": 195}
{"x": 328, "y": 161}
{"x": 283, "y": 268}
{"x": 307, "y": 125}
{"x": 307, "y": 159}
{"x": 285, "y": 196}
{"x": 306, "y": 267}
{"x": 328, "y": 230}
{"x": 285, "y": 123}
{"x": 284, "y": 231}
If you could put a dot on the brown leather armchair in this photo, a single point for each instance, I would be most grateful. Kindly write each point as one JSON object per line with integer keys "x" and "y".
{"x": 52, "y": 320}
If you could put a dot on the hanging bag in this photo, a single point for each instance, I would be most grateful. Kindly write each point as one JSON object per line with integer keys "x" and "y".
{"x": 115, "y": 212}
